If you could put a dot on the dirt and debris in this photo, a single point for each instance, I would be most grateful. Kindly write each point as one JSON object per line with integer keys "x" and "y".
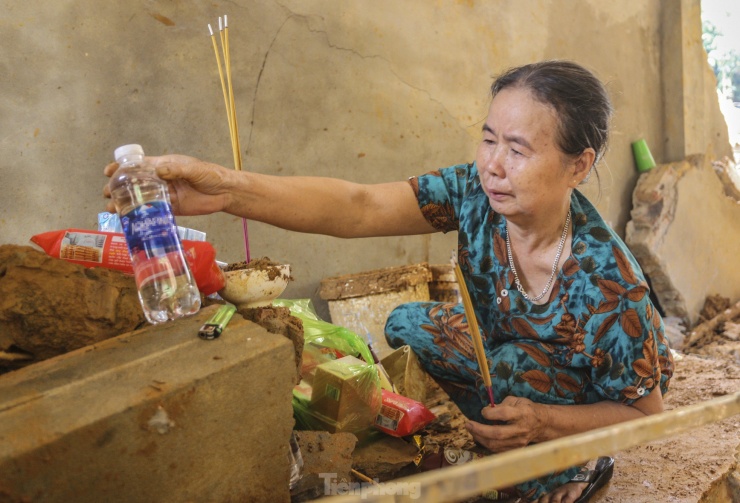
{"x": 718, "y": 336}
{"x": 384, "y": 457}
{"x": 257, "y": 263}
{"x": 50, "y": 306}
{"x": 693, "y": 466}
{"x": 278, "y": 320}
{"x": 266, "y": 264}
{"x": 389, "y": 279}
{"x": 325, "y": 455}
{"x": 713, "y": 306}
{"x": 698, "y": 466}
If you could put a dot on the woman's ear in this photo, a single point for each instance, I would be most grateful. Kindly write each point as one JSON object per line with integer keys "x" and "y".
{"x": 582, "y": 166}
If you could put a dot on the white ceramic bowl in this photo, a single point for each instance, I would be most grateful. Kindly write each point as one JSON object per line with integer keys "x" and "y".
{"x": 255, "y": 287}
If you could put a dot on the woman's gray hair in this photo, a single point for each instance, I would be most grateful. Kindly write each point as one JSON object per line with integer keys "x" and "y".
{"x": 580, "y": 101}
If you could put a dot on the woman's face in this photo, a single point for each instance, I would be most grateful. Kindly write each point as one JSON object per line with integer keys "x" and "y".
{"x": 522, "y": 170}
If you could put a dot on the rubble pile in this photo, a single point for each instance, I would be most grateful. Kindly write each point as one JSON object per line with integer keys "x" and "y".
{"x": 719, "y": 335}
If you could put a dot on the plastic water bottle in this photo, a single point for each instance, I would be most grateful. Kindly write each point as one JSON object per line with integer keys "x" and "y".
{"x": 166, "y": 286}
{"x": 296, "y": 462}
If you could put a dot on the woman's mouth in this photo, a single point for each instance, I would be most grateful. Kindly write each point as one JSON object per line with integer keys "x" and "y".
{"x": 497, "y": 196}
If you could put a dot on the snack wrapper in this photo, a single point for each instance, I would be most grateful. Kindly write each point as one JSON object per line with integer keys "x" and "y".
{"x": 109, "y": 250}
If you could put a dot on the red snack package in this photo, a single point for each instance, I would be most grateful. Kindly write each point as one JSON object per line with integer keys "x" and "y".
{"x": 109, "y": 250}
{"x": 401, "y": 416}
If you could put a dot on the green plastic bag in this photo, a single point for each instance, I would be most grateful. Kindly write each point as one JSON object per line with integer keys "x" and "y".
{"x": 326, "y": 344}
{"x": 324, "y": 334}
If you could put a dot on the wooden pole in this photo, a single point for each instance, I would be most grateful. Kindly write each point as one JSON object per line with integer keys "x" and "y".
{"x": 457, "y": 483}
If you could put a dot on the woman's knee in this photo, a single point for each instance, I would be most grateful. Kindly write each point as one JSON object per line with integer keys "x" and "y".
{"x": 401, "y": 325}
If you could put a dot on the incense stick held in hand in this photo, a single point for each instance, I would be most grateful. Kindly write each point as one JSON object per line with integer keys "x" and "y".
{"x": 480, "y": 352}
{"x": 228, "y": 92}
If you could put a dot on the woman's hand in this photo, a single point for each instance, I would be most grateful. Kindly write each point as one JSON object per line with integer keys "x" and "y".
{"x": 518, "y": 422}
{"x": 311, "y": 204}
{"x": 196, "y": 187}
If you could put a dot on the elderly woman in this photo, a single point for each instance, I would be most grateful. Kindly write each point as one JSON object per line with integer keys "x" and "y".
{"x": 570, "y": 333}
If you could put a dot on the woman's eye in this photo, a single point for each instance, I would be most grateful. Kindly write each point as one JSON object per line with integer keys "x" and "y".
{"x": 516, "y": 152}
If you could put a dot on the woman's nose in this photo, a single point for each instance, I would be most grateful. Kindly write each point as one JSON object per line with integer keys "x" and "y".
{"x": 495, "y": 161}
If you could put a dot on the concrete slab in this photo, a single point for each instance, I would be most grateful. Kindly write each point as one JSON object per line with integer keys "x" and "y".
{"x": 152, "y": 415}
{"x": 684, "y": 234}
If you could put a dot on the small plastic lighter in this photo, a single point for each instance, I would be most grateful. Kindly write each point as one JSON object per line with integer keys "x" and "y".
{"x": 212, "y": 328}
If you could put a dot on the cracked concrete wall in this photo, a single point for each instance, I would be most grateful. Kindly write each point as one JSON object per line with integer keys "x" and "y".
{"x": 367, "y": 91}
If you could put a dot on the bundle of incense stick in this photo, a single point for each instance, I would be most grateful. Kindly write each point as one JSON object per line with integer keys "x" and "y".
{"x": 480, "y": 352}
{"x": 228, "y": 92}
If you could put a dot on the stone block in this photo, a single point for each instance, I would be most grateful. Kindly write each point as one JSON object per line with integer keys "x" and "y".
{"x": 684, "y": 234}
{"x": 49, "y": 306}
{"x": 152, "y": 415}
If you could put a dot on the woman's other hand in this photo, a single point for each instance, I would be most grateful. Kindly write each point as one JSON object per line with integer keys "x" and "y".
{"x": 517, "y": 423}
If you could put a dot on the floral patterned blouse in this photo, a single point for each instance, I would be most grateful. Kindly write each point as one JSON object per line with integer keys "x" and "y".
{"x": 599, "y": 318}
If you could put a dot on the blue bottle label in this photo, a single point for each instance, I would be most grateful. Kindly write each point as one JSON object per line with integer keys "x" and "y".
{"x": 150, "y": 230}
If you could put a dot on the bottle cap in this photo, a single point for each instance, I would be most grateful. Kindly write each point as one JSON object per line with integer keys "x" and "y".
{"x": 127, "y": 151}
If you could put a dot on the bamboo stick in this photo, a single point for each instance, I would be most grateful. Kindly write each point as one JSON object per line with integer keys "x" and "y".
{"x": 221, "y": 77}
{"x": 457, "y": 483}
{"x": 234, "y": 124}
{"x": 14, "y": 357}
{"x": 480, "y": 352}
{"x": 363, "y": 477}
{"x": 232, "y": 102}
{"x": 223, "y": 33}
{"x": 227, "y": 89}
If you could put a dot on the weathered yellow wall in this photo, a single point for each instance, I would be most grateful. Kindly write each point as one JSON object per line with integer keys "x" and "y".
{"x": 369, "y": 91}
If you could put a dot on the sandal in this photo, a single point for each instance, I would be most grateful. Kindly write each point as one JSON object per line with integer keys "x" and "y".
{"x": 596, "y": 478}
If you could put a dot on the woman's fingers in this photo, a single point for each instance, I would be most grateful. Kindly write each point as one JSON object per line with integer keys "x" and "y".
{"x": 195, "y": 187}
{"x": 481, "y": 435}
{"x": 497, "y": 437}
{"x": 110, "y": 169}
{"x": 513, "y": 425}
{"x": 168, "y": 170}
